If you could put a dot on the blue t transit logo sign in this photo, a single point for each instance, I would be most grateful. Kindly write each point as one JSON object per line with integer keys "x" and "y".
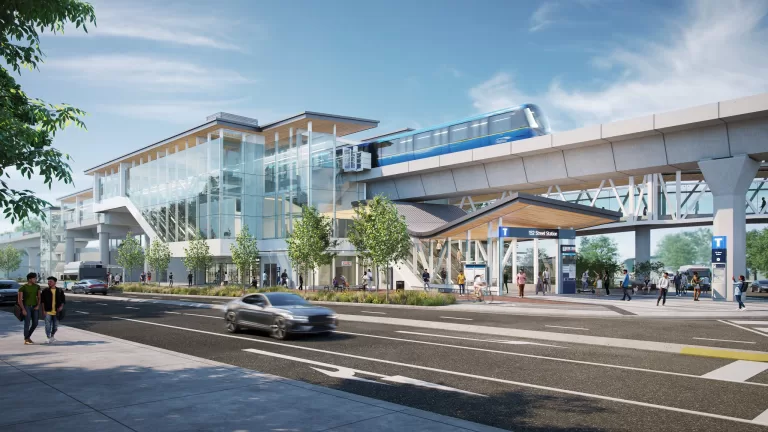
{"x": 719, "y": 242}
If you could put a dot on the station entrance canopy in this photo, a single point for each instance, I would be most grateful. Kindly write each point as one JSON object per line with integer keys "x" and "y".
{"x": 519, "y": 210}
{"x": 492, "y": 233}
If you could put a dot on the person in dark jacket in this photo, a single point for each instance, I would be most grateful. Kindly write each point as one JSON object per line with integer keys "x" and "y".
{"x": 53, "y": 300}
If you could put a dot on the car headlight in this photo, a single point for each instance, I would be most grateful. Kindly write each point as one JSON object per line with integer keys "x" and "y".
{"x": 334, "y": 316}
{"x": 298, "y": 318}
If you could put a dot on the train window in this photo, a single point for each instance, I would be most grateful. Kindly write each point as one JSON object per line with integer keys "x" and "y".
{"x": 478, "y": 128}
{"x": 501, "y": 123}
{"x": 422, "y": 141}
{"x": 459, "y": 132}
{"x": 440, "y": 136}
{"x": 405, "y": 145}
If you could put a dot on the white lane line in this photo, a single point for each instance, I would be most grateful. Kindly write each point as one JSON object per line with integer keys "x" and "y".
{"x": 743, "y": 328}
{"x": 81, "y": 312}
{"x": 738, "y": 371}
{"x": 461, "y": 374}
{"x": 750, "y": 322}
{"x": 129, "y": 307}
{"x": 762, "y": 418}
{"x": 516, "y": 354}
{"x": 185, "y": 299}
{"x": 206, "y": 316}
{"x": 457, "y": 318}
{"x": 763, "y": 329}
{"x": 175, "y": 313}
{"x": 506, "y": 342}
{"x": 372, "y": 312}
{"x": 725, "y": 340}
{"x": 570, "y": 328}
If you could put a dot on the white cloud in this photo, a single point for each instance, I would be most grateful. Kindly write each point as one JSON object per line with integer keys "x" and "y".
{"x": 542, "y": 17}
{"x": 161, "y": 24}
{"x": 143, "y": 72}
{"x": 717, "y": 51}
{"x": 175, "y": 111}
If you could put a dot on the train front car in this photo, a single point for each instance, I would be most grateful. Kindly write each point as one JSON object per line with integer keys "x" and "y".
{"x": 510, "y": 124}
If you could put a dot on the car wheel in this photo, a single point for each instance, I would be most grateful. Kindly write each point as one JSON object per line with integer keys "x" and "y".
{"x": 232, "y": 326}
{"x": 279, "y": 328}
{"x": 104, "y": 293}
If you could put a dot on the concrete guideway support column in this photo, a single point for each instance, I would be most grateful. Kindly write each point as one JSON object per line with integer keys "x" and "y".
{"x": 69, "y": 249}
{"x": 729, "y": 180}
{"x": 642, "y": 244}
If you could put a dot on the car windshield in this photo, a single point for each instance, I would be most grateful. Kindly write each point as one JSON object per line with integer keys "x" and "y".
{"x": 7, "y": 285}
{"x": 285, "y": 299}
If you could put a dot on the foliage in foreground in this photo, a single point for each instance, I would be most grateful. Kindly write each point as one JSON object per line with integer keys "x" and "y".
{"x": 415, "y": 298}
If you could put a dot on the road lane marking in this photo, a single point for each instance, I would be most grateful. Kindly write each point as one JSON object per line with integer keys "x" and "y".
{"x": 457, "y": 318}
{"x": 763, "y": 329}
{"x": 177, "y": 313}
{"x": 738, "y": 371}
{"x": 461, "y": 374}
{"x": 570, "y": 328}
{"x": 516, "y": 354}
{"x": 750, "y": 322}
{"x": 349, "y": 373}
{"x": 743, "y": 328}
{"x": 667, "y": 347}
{"x": 725, "y": 340}
{"x": 506, "y": 342}
{"x": 372, "y": 312}
{"x": 130, "y": 307}
{"x": 185, "y": 299}
{"x": 762, "y": 418}
{"x": 205, "y": 316}
{"x": 81, "y": 312}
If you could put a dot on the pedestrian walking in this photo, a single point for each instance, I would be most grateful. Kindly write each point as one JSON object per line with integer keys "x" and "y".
{"x": 739, "y": 289}
{"x": 264, "y": 279}
{"x": 461, "y": 279}
{"x": 606, "y": 283}
{"x": 539, "y": 285}
{"x": 696, "y": 282}
{"x": 506, "y": 281}
{"x": 521, "y": 283}
{"x": 149, "y": 277}
{"x": 444, "y": 275}
{"x": 170, "y": 279}
{"x": 683, "y": 284}
{"x": 143, "y": 277}
{"x": 598, "y": 283}
{"x": 545, "y": 277}
{"x": 478, "y": 285}
{"x": 425, "y": 278}
{"x": 663, "y": 286}
{"x": 301, "y": 282}
{"x": 226, "y": 278}
{"x": 676, "y": 281}
{"x": 29, "y": 300}
{"x": 585, "y": 280}
{"x": 52, "y": 299}
{"x": 369, "y": 275}
{"x": 284, "y": 279}
{"x": 625, "y": 286}
{"x": 189, "y": 279}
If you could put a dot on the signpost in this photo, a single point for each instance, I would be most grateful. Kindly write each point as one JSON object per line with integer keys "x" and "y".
{"x": 719, "y": 283}
{"x": 568, "y": 269}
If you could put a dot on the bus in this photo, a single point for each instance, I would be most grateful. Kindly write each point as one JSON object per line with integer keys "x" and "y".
{"x": 497, "y": 127}
{"x": 705, "y": 273}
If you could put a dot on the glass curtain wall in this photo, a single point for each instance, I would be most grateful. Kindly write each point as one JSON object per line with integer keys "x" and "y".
{"x": 51, "y": 237}
{"x": 212, "y": 188}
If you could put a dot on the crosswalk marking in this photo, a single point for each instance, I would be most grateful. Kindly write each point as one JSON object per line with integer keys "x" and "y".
{"x": 738, "y": 371}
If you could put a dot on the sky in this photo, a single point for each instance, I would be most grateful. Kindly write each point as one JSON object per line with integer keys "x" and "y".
{"x": 149, "y": 70}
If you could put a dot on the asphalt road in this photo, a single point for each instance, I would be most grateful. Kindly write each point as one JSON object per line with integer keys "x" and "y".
{"x": 536, "y": 385}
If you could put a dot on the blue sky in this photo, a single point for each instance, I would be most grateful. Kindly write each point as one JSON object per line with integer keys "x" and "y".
{"x": 150, "y": 70}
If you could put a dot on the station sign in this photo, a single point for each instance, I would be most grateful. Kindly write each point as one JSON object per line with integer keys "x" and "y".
{"x": 719, "y": 242}
{"x": 536, "y": 233}
{"x": 346, "y": 263}
{"x": 719, "y": 249}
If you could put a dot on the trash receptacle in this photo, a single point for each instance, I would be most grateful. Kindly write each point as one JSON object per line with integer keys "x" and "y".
{"x": 399, "y": 285}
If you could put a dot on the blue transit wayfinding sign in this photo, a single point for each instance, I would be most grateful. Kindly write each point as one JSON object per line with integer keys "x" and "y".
{"x": 719, "y": 242}
{"x": 719, "y": 249}
{"x": 537, "y": 233}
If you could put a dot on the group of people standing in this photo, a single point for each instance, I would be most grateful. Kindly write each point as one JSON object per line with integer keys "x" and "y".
{"x": 30, "y": 301}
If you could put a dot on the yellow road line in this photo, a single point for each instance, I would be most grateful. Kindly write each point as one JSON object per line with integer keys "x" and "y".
{"x": 726, "y": 354}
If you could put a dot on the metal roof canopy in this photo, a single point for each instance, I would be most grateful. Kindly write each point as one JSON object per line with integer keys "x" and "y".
{"x": 520, "y": 210}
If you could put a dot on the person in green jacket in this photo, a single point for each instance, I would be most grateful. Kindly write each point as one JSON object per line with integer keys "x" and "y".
{"x": 29, "y": 300}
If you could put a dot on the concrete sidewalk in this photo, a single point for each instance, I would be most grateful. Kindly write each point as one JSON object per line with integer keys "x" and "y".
{"x": 90, "y": 382}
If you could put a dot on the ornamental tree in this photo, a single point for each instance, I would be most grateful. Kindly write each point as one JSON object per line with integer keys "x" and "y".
{"x": 379, "y": 233}
{"x": 245, "y": 252}
{"x": 28, "y": 125}
{"x": 310, "y": 242}
{"x": 10, "y": 259}
{"x": 130, "y": 254}
{"x": 158, "y": 257}
{"x": 197, "y": 257}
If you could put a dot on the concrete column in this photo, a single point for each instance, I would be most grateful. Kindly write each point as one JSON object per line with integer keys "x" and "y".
{"x": 69, "y": 250}
{"x": 535, "y": 262}
{"x": 729, "y": 180}
{"x": 104, "y": 247}
{"x": 642, "y": 244}
{"x": 513, "y": 245}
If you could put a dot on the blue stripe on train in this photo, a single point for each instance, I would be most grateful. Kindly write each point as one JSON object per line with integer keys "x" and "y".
{"x": 485, "y": 141}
